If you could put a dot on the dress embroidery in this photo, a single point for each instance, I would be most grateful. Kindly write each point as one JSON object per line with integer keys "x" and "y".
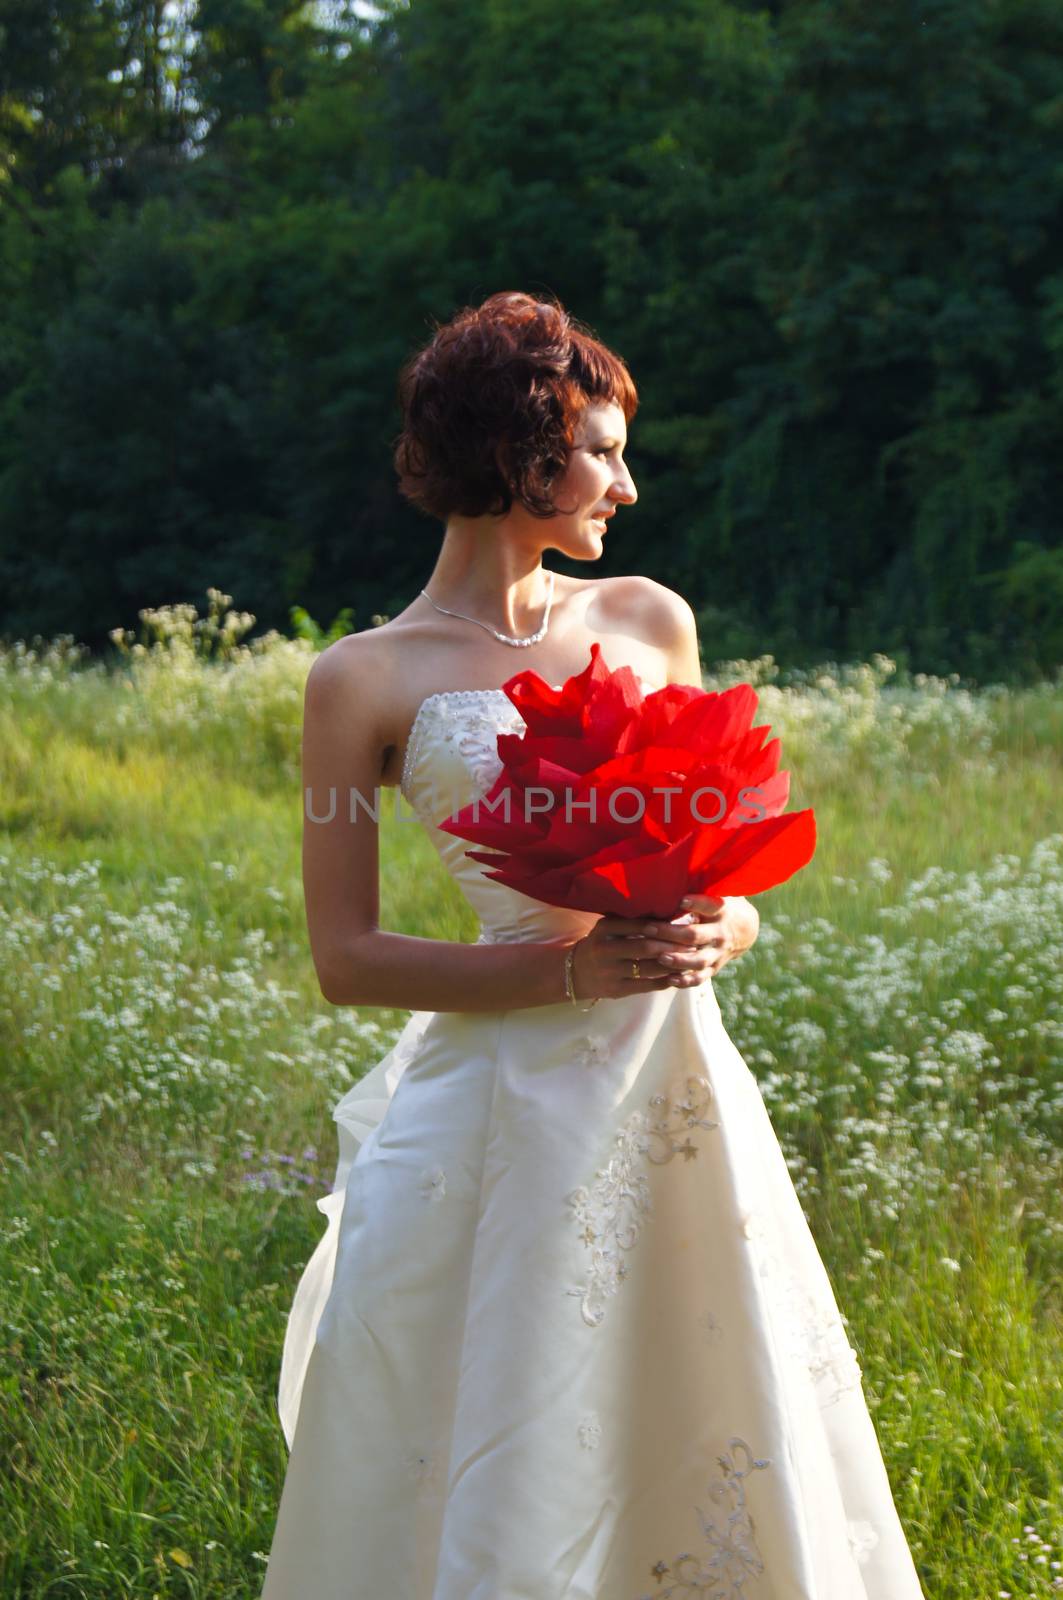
{"x": 590, "y": 1431}
{"x": 469, "y": 721}
{"x": 862, "y": 1540}
{"x": 593, "y": 1050}
{"x": 433, "y": 1184}
{"x": 610, "y": 1214}
{"x": 808, "y": 1326}
{"x": 734, "y": 1555}
{"x": 475, "y": 742}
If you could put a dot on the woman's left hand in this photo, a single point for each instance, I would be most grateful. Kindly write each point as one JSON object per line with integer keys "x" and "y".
{"x": 720, "y": 929}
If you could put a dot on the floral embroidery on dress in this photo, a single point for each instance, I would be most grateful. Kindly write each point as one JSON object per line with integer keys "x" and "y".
{"x": 812, "y": 1330}
{"x": 734, "y": 1555}
{"x": 433, "y": 1184}
{"x": 446, "y": 723}
{"x": 593, "y": 1050}
{"x": 590, "y": 1431}
{"x": 696, "y": 1100}
{"x": 468, "y": 721}
{"x": 862, "y": 1540}
{"x": 477, "y": 746}
{"x": 610, "y": 1213}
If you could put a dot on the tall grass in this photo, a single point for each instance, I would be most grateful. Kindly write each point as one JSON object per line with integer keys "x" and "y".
{"x": 169, "y": 1070}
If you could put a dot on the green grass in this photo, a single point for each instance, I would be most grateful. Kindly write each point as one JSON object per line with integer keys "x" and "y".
{"x": 169, "y": 1070}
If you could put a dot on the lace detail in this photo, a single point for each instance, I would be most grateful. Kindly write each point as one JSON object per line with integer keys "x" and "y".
{"x": 810, "y": 1330}
{"x": 610, "y": 1214}
{"x": 735, "y": 1557}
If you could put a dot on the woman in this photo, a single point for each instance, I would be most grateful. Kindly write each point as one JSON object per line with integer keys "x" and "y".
{"x": 567, "y": 1336}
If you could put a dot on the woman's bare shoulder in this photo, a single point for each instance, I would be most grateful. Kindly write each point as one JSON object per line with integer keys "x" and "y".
{"x": 353, "y": 677}
{"x": 374, "y": 681}
{"x": 333, "y": 668}
{"x": 657, "y": 614}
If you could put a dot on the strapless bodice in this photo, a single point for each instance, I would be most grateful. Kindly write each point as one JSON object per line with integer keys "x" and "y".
{"x": 451, "y": 759}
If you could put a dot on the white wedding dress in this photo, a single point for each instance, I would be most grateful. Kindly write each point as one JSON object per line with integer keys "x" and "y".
{"x": 568, "y": 1336}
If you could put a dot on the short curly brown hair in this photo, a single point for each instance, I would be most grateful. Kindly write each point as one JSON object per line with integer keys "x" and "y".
{"x": 506, "y": 381}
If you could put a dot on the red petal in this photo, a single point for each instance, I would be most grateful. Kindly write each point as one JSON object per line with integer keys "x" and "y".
{"x": 757, "y": 857}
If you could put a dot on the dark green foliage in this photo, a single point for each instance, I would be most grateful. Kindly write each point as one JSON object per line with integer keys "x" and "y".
{"x": 826, "y": 238}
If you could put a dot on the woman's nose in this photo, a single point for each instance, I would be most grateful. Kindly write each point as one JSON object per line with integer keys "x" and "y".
{"x": 624, "y": 489}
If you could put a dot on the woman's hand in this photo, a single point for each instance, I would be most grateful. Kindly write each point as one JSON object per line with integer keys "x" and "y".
{"x": 675, "y": 954}
{"x": 722, "y": 928}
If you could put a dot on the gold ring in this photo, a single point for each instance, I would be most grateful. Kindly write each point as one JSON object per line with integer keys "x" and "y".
{"x": 635, "y": 973}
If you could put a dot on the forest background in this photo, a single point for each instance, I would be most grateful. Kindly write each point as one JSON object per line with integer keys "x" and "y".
{"x": 824, "y": 236}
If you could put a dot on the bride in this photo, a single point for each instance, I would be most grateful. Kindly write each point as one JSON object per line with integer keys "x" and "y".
{"x": 567, "y": 1335}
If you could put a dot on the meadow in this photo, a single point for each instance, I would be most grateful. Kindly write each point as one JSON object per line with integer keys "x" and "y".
{"x": 169, "y": 1068}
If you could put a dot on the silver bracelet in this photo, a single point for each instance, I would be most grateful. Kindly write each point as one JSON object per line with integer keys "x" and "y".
{"x": 570, "y": 956}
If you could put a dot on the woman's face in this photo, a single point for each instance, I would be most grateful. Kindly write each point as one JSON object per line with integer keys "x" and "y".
{"x": 595, "y": 481}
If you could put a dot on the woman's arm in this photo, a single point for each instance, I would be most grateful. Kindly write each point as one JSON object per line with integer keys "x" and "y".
{"x": 357, "y": 963}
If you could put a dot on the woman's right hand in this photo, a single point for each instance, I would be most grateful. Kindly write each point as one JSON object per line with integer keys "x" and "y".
{"x": 601, "y": 964}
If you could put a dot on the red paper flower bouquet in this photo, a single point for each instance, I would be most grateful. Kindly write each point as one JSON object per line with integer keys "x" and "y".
{"x": 620, "y": 803}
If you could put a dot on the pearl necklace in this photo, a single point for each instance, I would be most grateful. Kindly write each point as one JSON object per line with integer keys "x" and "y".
{"x": 506, "y": 638}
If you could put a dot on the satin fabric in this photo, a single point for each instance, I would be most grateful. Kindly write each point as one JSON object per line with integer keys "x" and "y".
{"x": 567, "y": 1335}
